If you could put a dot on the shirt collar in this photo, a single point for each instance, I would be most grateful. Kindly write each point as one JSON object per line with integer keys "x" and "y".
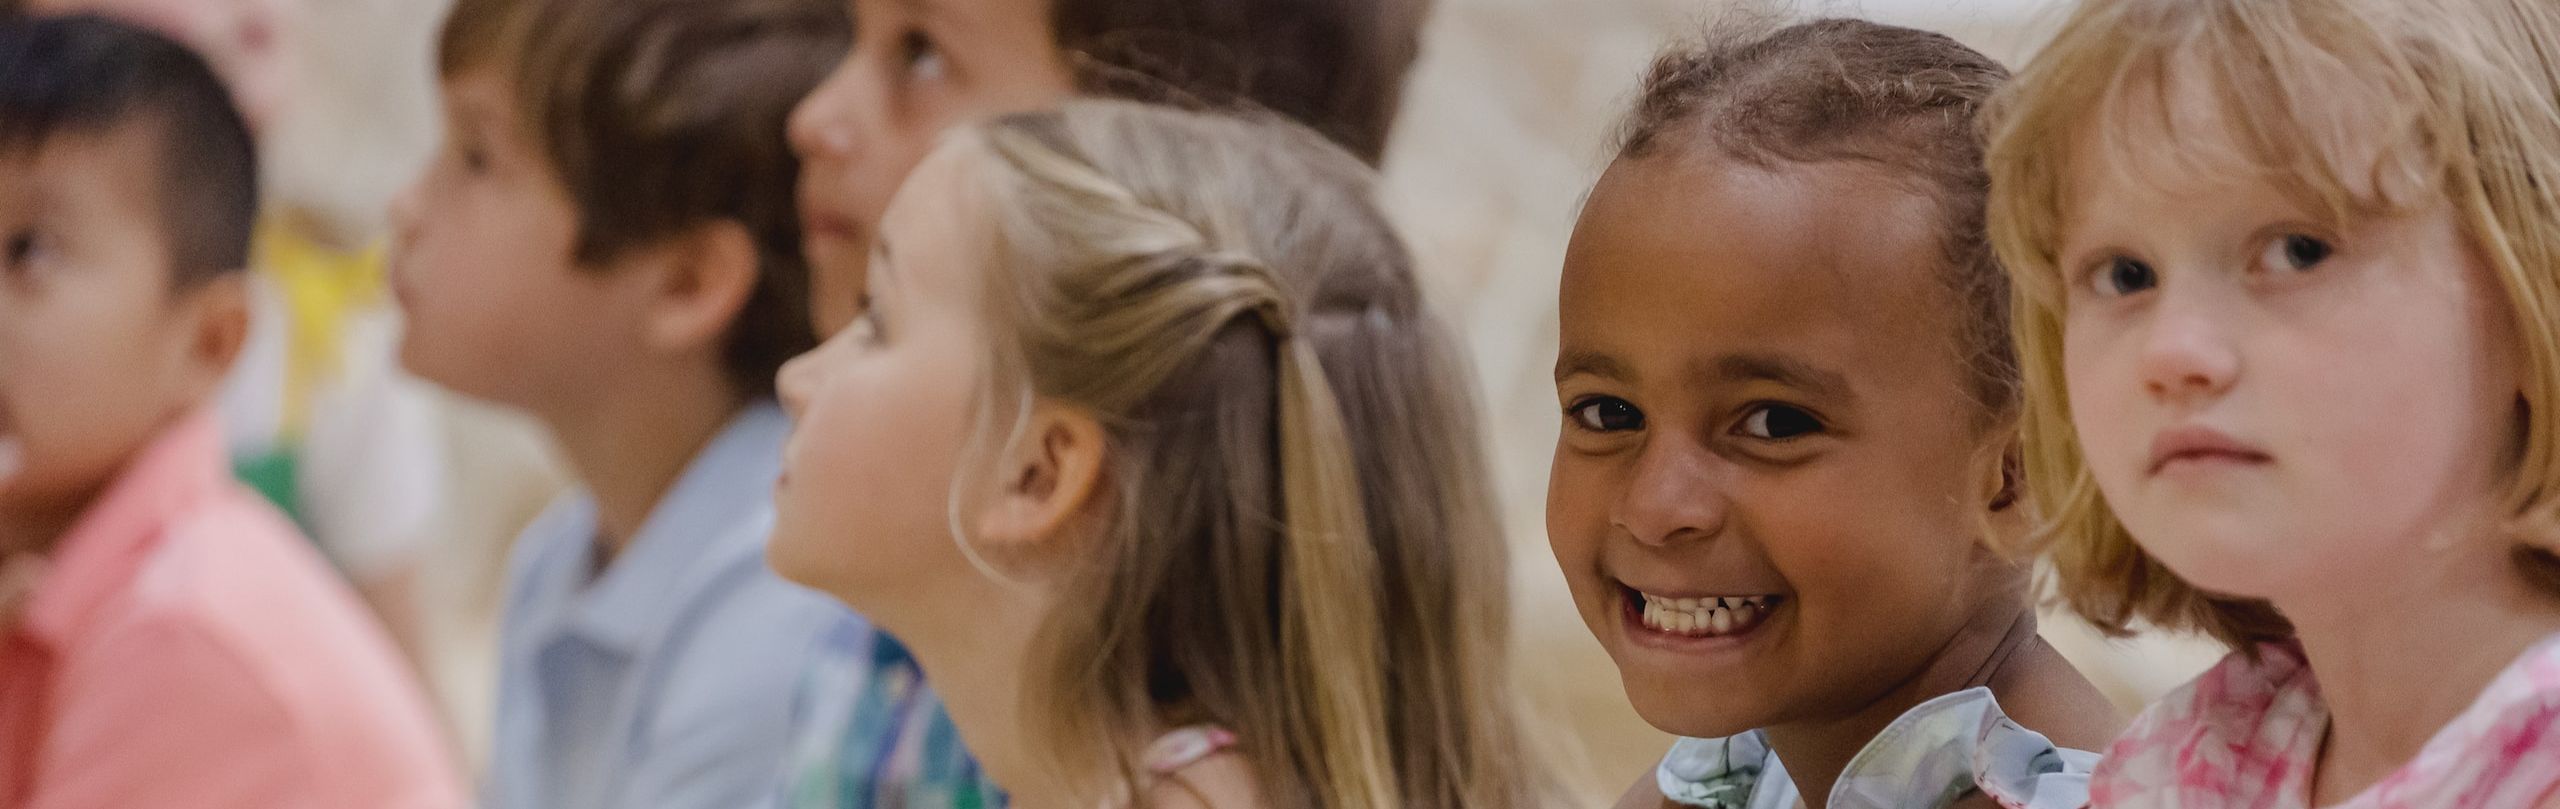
{"x": 98, "y": 557}
{"x": 722, "y": 504}
{"x": 1927, "y": 757}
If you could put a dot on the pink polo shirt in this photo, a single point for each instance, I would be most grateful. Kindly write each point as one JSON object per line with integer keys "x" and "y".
{"x": 187, "y": 648}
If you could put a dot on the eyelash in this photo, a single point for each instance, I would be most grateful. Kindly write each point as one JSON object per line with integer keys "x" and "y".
{"x": 2302, "y": 253}
{"x": 1575, "y": 414}
{"x": 23, "y": 246}
{"x": 915, "y": 48}
{"x": 867, "y": 319}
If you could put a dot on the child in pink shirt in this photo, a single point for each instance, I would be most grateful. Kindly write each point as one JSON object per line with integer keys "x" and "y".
{"x": 2289, "y": 323}
{"x": 179, "y": 645}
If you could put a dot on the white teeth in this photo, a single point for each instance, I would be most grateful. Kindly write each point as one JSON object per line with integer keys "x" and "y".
{"x": 1715, "y": 615}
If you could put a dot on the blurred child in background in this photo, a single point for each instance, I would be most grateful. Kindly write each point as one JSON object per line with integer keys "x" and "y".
{"x": 180, "y": 645}
{"x": 316, "y": 413}
{"x": 606, "y": 240}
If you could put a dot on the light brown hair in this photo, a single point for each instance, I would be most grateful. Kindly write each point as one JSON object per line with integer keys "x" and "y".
{"x": 1300, "y": 545}
{"x": 2469, "y": 100}
{"x": 662, "y": 115}
{"x": 1337, "y": 66}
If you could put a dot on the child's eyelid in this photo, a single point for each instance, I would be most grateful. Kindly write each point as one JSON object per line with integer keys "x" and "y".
{"x": 1742, "y": 421}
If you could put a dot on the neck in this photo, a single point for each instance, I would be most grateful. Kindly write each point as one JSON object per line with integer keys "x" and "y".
{"x": 630, "y": 444}
{"x": 1818, "y": 751}
{"x": 32, "y": 529}
{"x": 2406, "y": 650}
{"x": 979, "y": 667}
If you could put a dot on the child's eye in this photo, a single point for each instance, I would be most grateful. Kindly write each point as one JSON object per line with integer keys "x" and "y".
{"x": 2295, "y": 252}
{"x": 921, "y": 57}
{"x": 2121, "y": 276}
{"x": 24, "y": 247}
{"x": 1777, "y": 422}
{"x": 866, "y": 321}
{"x": 1606, "y": 414}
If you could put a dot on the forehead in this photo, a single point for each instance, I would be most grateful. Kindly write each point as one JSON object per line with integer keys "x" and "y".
{"x": 1679, "y": 257}
{"x": 936, "y": 223}
{"x": 2173, "y": 129}
{"x": 999, "y": 14}
{"x": 108, "y": 170}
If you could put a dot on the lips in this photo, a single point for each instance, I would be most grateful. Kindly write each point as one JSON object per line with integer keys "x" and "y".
{"x": 2199, "y": 444}
{"x": 821, "y": 220}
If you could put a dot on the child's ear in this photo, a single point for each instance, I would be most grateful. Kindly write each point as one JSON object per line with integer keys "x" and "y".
{"x": 2011, "y": 481}
{"x": 701, "y": 281}
{"x": 1049, "y": 479}
{"x": 215, "y": 314}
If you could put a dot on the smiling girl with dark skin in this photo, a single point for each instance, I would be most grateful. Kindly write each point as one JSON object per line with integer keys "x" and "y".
{"x": 1786, "y": 392}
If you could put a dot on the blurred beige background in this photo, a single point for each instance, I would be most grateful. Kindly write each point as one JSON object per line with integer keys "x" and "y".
{"x": 1505, "y": 126}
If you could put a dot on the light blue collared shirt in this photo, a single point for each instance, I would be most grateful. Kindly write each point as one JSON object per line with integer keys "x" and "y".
{"x": 668, "y": 681}
{"x": 1932, "y": 756}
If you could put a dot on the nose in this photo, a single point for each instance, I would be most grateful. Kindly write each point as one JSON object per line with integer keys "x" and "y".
{"x": 819, "y": 126}
{"x": 2188, "y": 353}
{"x": 798, "y": 381}
{"x": 1674, "y": 496}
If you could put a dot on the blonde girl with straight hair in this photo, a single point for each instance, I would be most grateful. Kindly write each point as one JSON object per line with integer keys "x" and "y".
{"x": 2288, "y": 313}
{"x": 1146, "y": 445}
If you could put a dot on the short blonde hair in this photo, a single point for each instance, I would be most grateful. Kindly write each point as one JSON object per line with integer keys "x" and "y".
{"x": 2467, "y": 94}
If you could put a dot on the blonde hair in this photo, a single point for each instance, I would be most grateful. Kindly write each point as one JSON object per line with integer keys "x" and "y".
{"x": 2468, "y": 101}
{"x": 1299, "y": 547}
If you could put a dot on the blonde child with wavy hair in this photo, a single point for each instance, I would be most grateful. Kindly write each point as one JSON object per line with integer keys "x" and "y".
{"x": 2289, "y": 316}
{"x": 1145, "y": 444}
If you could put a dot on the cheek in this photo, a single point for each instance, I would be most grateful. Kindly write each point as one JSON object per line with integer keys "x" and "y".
{"x": 1873, "y": 555}
{"x": 1578, "y": 494}
{"x": 866, "y": 506}
{"x": 2099, "y": 382}
{"x": 83, "y": 389}
{"x": 884, "y": 163}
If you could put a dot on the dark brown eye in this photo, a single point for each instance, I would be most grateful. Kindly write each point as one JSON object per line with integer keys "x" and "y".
{"x": 2122, "y": 275}
{"x": 1607, "y": 414}
{"x": 2295, "y": 252}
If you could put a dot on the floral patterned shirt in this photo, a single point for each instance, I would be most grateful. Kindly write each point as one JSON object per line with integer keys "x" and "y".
{"x": 1935, "y": 754}
{"x": 2247, "y": 735}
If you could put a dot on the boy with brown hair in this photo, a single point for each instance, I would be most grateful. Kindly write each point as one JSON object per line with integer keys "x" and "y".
{"x": 607, "y": 241}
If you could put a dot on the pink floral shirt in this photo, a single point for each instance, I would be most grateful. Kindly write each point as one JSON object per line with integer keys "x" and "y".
{"x": 2246, "y": 735}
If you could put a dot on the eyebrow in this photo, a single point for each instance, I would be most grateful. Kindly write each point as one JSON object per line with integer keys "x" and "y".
{"x": 1579, "y": 361}
{"x": 1783, "y": 370}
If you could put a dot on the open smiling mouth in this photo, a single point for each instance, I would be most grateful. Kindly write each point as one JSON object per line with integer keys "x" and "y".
{"x": 1699, "y": 616}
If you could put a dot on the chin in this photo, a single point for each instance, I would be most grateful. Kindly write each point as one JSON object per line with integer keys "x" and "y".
{"x": 2244, "y": 565}
{"x": 1690, "y": 708}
